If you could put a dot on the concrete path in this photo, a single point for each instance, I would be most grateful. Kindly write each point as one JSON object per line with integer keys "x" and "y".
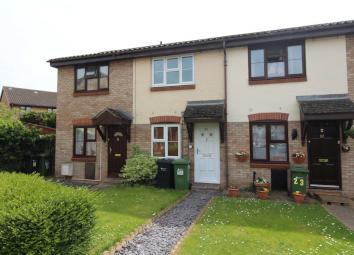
{"x": 167, "y": 230}
{"x": 345, "y": 214}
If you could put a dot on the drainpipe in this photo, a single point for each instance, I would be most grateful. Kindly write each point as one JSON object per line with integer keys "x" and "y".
{"x": 225, "y": 121}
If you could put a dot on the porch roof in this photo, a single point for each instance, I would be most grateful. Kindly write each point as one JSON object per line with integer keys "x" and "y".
{"x": 326, "y": 107}
{"x": 209, "y": 110}
{"x": 112, "y": 116}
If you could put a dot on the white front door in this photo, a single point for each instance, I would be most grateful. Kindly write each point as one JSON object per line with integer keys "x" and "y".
{"x": 207, "y": 153}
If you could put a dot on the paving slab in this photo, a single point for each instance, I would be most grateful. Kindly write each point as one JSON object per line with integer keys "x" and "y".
{"x": 345, "y": 214}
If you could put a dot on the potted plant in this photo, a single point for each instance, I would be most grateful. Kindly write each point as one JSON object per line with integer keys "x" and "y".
{"x": 262, "y": 182}
{"x": 233, "y": 191}
{"x": 241, "y": 156}
{"x": 299, "y": 197}
{"x": 263, "y": 193}
{"x": 298, "y": 157}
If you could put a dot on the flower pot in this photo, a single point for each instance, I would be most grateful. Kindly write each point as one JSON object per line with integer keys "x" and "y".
{"x": 242, "y": 158}
{"x": 262, "y": 185}
{"x": 299, "y": 198}
{"x": 233, "y": 192}
{"x": 263, "y": 195}
{"x": 298, "y": 160}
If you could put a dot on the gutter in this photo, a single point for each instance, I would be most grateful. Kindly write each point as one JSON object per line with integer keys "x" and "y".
{"x": 225, "y": 121}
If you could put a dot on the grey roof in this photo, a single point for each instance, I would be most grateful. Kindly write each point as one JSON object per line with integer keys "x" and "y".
{"x": 209, "y": 109}
{"x": 116, "y": 112}
{"x": 325, "y": 104}
{"x": 29, "y": 97}
{"x": 326, "y": 29}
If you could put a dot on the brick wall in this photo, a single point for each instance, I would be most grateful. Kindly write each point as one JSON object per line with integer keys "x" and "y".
{"x": 70, "y": 108}
{"x": 347, "y": 159}
{"x": 241, "y": 173}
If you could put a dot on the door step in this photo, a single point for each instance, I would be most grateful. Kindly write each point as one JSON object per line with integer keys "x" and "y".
{"x": 205, "y": 186}
{"x": 326, "y": 192}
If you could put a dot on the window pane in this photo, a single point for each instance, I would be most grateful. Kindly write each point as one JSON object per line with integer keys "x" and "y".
{"x": 80, "y": 79}
{"x": 172, "y": 63}
{"x": 91, "y": 71}
{"x": 257, "y": 63}
{"x": 295, "y": 59}
{"x": 277, "y": 132}
{"x": 158, "y": 133}
{"x": 91, "y": 134}
{"x": 259, "y": 142}
{"x": 172, "y": 77}
{"x": 92, "y": 84}
{"x": 187, "y": 75}
{"x": 257, "y": 70}
{"x": 257, "y": 56}
{"x": 187, "y": 62}
{"x": 276, "y": 69}
{"x": 79, "y": 141}
{"x": 173, "y": 134}
{"x": 158, "y": 65}
{"x": 103, "y": 71}
{"x": 158, "y": 77}
{"x": 90, "y": 148}
{"x": 278, "y": 152}
{"x": 103, "y": 83}
{"x": 159, "y": 149}
{"x": 173, "y": 149}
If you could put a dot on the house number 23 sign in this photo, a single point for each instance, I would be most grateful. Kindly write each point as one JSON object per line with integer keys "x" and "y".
{"x": 299, "y": 181}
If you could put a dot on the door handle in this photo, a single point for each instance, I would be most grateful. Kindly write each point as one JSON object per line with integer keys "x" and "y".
{"x": 117, "y": 155}
{"x": 197, "y": 151}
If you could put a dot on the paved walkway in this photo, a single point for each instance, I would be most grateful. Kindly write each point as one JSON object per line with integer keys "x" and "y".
{"x": 343, "y": 213}
{"x": 167, "y": 230}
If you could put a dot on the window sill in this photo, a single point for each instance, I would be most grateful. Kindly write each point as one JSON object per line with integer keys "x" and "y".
{"x": 175, "y": 87}
{"x": 84, "y": 159}
{"x": 91, "y": 93}
{"x": 277, "y": 80}
{"x": 270, "y": 165}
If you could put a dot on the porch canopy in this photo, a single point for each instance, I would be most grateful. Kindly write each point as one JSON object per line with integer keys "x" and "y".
{"x": 111, "y": 117}
{"x": 325, "y": 107}
{"x": 204, "y": 111}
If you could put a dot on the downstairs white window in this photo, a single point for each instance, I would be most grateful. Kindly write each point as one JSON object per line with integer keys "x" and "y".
{"x": 165, "y": 141}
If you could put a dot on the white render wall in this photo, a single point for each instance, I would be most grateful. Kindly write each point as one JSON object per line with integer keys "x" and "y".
{"x": 326, "y": 70}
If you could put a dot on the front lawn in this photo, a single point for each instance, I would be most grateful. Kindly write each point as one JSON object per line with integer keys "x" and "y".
{"x": 121, "y": 209}
{"x": 250, "y": 226}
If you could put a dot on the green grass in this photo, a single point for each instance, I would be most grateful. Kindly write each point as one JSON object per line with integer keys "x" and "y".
{"x": 250, "y": 226}
{"x": 121, "y": 209}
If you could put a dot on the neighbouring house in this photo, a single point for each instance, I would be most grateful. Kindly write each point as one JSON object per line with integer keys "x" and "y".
{"x": 270, "y": 94}
{"x": 27, "y": 100}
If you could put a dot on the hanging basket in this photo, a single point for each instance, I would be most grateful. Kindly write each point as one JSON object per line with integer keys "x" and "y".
{"x": 241, "y": 156}
{"x": 299, "y": 158}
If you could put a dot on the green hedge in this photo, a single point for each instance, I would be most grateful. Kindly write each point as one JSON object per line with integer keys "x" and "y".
{"x": 40, "y": 217}
{"x": 40, "y": 118}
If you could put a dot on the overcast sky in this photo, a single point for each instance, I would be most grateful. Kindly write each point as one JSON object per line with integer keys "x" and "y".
{"x": 32, "y": 32}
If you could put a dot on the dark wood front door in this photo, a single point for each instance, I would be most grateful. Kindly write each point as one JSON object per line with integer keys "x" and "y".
{"x": 117, "y": 149}
{"x": 324, "y": 154}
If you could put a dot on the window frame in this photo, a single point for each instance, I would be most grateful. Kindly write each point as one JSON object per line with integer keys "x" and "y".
{"x": 284, "y": 45}
{"x": 268, "y": 125}
{"x": 180, "y": 69}
{"x": 165, "y": 139}
{"x": 84, "y": 141}
{"x": 97, "y": 65}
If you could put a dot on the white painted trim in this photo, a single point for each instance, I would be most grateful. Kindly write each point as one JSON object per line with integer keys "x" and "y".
{"x": 179, "y": 68}
{"x": 324, "y": 186}
{"x": 165, "y": 139}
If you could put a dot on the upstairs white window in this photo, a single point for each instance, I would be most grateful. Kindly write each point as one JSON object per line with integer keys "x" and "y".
{"x": 165, "y": 141}
{"x": 170, "y": 71}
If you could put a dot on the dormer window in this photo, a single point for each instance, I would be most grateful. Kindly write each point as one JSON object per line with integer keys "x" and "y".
{"x": 174, "y": 70}
{"x": 91, "y": 78}
{"x": 277, "y": 61}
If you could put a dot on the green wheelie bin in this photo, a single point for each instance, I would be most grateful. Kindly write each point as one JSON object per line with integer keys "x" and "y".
{"x": 299, "y": 178}
{"x": 181, "y": 172}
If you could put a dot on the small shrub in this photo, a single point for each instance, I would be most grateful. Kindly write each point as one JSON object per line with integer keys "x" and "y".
{"x": 39, "y": 217}
{"x": 140, "y": 168}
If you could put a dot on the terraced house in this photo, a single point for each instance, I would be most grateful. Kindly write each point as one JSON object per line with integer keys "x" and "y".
{"x": 270, "y": 94}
